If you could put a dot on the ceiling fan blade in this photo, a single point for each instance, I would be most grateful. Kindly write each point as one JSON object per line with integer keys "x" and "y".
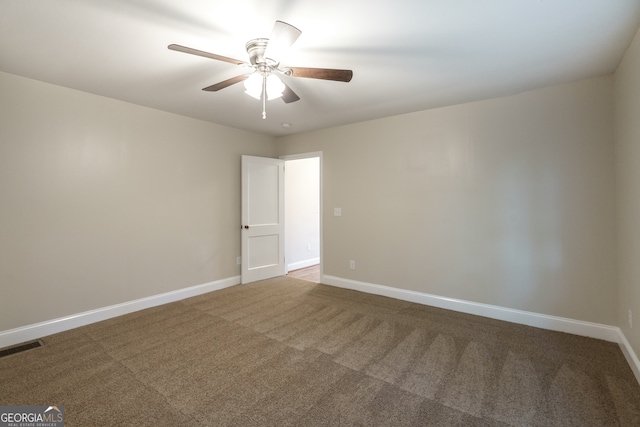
{"x": 322, "y": 73}
{"x": 282, "y": 38}
{"x": 226, "y": 83}
{"x": 288, "y": 95}
{"x": 192, "y": 51}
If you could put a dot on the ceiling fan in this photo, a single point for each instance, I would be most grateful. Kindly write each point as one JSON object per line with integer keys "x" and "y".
{"x": 262, "y": 81}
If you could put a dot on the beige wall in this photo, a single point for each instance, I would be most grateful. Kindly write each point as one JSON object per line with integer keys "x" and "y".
{"x": 627, "y": 130}
{"x": 508, "y": 202}
{"x": 103, "y": 202}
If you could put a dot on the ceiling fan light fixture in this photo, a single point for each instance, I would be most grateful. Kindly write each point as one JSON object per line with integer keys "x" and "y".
{"x": 275, "y": 87}
{"x": 253, "y": 86}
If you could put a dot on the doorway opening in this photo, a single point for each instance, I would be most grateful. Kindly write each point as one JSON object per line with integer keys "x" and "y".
{"x": 303, "y": 224}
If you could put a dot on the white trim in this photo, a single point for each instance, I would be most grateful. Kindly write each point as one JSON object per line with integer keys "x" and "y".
{"x": 630, "y": 355}
{"x": 543, "y": 321}
{"x": 303, "y": 264}
{"x": 594, "y": 330}
{"x": 301, "y": 156}
{"x": 42, "y": 329}
{"x": 561, "y": 324}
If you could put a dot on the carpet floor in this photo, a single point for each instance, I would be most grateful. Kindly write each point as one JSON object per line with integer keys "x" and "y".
{"x": 288, "y": 352}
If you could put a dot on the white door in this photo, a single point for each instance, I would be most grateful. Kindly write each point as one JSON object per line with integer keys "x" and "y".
{"x": 262, "y": 218}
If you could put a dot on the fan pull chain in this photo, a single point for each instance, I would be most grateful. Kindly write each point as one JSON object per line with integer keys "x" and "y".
{"x": 264, "y": 97}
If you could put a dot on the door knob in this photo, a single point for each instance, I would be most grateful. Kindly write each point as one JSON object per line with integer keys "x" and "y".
{"x": 246, "y": 226}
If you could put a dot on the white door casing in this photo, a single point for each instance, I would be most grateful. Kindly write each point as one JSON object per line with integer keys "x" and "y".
{"x": 262, "y": 218}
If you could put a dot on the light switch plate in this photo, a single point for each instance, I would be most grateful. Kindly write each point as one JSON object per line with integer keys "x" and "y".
{"x": 337, "y": 211}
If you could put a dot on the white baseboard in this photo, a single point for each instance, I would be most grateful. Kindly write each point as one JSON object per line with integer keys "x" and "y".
{"x": 42, "y": 329}
{"x": 303, "y": 264}
{"x": 554, "y": 323}
{"x": 561, "y": 324}
{"x": 594, "y": 330}
{"x": 630, "y": 355}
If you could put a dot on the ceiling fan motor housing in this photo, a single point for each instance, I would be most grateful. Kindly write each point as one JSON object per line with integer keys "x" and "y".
{"x": 256, "y": 49}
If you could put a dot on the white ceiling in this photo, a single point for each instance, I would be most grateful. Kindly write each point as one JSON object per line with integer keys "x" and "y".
{"x": 406, "y": 55}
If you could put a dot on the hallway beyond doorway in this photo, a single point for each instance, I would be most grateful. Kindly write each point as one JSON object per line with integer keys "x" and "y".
{"x": 312, "y": 273}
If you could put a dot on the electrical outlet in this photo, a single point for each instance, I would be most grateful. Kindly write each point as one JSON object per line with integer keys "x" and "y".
{"x": 352, "y": 265}
{"x": 630, "y": 319}
{"x": 239, "y": 260}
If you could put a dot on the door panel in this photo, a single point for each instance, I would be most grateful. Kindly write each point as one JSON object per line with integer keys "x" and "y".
{"x": 263, "y": 182}
{"x": 261, "y": 251}
{"x": 262, "y": 218}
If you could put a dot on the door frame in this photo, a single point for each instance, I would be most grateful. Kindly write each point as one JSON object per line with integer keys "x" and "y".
{"x": 309, "y": 155}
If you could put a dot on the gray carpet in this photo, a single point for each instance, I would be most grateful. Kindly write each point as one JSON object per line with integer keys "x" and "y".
{"x": 286, "y": 352}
